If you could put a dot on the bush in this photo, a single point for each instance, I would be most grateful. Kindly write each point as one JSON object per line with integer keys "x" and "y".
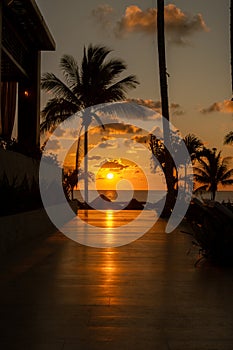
{"x": 17, "y": 197}
{"x": 212, "y": 225}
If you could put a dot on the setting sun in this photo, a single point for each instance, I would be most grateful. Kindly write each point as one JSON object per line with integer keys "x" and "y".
{"x": 110, "y": 176}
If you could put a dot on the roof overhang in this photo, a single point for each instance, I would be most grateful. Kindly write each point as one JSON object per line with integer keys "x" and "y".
{"x": 29, "y": 19}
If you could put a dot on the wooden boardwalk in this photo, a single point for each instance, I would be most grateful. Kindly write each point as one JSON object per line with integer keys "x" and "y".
{"x": 58, "y": 295}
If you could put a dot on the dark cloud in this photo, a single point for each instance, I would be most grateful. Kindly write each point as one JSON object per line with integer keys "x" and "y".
{"x": 107, "y": 145}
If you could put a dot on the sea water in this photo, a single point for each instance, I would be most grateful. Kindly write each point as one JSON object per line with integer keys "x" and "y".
{"x": 142, "y": 196}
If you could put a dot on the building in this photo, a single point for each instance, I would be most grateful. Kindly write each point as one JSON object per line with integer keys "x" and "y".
{"x": 23, "y": 35}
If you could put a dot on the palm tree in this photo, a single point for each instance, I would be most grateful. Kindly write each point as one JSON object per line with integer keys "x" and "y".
{"x": 194, "y": 146}
{"x": 231, "y": 42}
{"x": 94, "y": 82}
{"x": 170, "y": 168}
{"x": 228, "y": 140}
{"x": 212, "y": 172}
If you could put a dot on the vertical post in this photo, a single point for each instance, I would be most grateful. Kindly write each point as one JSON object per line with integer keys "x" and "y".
{"x": 29, "y": 107}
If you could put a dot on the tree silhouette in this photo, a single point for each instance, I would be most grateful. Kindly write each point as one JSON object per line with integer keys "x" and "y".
{"x": 212, "y": 171}
{"x": 95, "y": 81}
{"x": 170, "y": 170}
{"x": 228, "y": 140}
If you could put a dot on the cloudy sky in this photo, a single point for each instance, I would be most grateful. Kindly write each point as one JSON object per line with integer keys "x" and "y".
{"x": 198, "y": 55}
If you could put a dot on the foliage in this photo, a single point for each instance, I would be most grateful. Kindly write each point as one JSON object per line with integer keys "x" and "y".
{"x": 228, "y": 140}
{"x": 18, "y": 197}
{"x": 93, "y": 82}
{"x": 212, "y": 231}
{"x": 70, "y": 181}
{"x": 194, "y": 146}
{"x": 161, "y": 154}
{"x": 212, "y": 171}
{"x": 14, "y": 146}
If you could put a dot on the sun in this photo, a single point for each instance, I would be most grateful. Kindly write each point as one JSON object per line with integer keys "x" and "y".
{"x": 110, "y": 176}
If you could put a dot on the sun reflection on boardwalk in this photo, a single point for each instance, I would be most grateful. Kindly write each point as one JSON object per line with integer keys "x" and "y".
{"x": 108, "y": 219}
{"x": 109, "y": 228}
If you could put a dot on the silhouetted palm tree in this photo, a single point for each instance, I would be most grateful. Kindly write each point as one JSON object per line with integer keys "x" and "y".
{"x": 212, "y": 172}
{"x": 170, "y": 169}
{"x": 194, "y": 146}
{"x": 231, "y": 40}
{"x": 94, "y": 82}
{"x": 228, "y": 140}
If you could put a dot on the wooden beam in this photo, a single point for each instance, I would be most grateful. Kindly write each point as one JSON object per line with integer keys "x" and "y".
{"x": 19, "y": 67}
{"x": 29, "y": 108}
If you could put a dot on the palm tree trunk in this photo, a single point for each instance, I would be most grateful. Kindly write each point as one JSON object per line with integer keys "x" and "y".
{"x": 231, "y": 43}
{"x": 169, "y": 168}
{"x": 86, "y": 163}
{"x": 162, "y": 58}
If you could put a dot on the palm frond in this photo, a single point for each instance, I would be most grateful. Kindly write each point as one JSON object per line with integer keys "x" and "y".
{"x": 96, "y": 54}
{"x": 226, "y": 175}
{"x": 97, "y": 118}
{"x": 55, "y": 112}
{"x": 227, "y": 182}
{"x": 70, "y": 71}
{"x": 201, "y": 188}
{"x": 51, "y": 83}
{"x": 228, "y": 140}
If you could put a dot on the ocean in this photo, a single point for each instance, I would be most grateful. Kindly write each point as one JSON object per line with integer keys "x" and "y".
{"x": 141, "y": 196}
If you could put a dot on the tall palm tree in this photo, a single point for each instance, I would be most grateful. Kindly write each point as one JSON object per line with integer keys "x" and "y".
{"x": 170, "y": 170}
{"x": 212, "y": 172}
{"x": 231, "y": 42}
{"x": 228, "y": 140}
{"x": 95, "y": 81}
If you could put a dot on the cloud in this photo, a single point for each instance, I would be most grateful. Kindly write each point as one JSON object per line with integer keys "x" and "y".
{"x": 59, "y": 132}
{"x": 176, "y": 109}
{"x": 224, "y": 107}
{"x": 114, "y": 164}
{"x": 54, "y": 145}
{"x": 156, "y": 131}
{"x": 140, "y": 138}
{"x": 94, "y": 158}
{"x": 179, "y": 25}
{"x": 108, "y": 145}
{"x": 107, "y": 137}
{"x": 103, "y": 15}
{"x": 120, "y": 128}
{"x": 156, "y": 106}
